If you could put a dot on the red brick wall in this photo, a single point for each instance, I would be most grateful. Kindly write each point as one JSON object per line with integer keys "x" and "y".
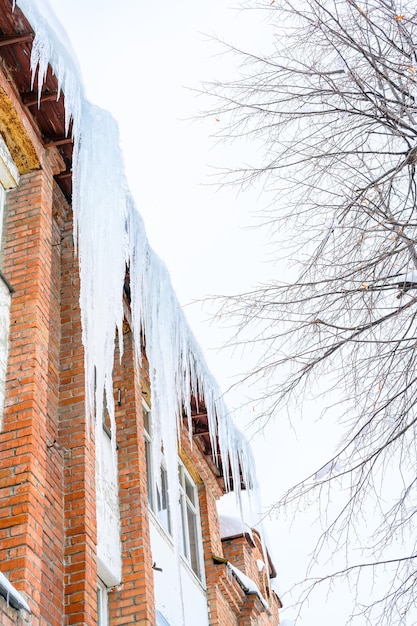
{"x": 133, "y": 601}
{"x": 47, "y": 454}
{"x": 31, "y": 475}
{"x": 244, "y": 552}
{"x": 77, "y": 444}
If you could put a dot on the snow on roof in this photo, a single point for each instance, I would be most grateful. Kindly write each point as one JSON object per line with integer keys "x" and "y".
{"x": 244, "y": 517}
{"x": 247, "y": 508}
{"x": 275, "y": 586}
{"x": 233, "y": 526}
{"x": 248, "y": 585}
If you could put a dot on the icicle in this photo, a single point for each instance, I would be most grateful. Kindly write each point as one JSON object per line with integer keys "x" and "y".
{"x": 99, "y": 206}
{"x": 108, "y": 235}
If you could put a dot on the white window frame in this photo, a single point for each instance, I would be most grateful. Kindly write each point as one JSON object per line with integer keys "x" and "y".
{"x": 102, "y": 604}
{"x": 9, "y": 179}
{"x": 147, "y": 430}
{"x": 5, "y": 300}
{"x": 157, "y": 497}
{"x": 191, "y": 536}
{"x": 2, "y": 216}
{"x": 192, "y": 543}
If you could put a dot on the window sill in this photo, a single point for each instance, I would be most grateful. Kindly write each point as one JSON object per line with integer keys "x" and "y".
{"x": 11, "y": 595}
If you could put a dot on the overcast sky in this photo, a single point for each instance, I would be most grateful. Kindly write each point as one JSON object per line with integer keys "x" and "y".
{"x": 141, "y": 60}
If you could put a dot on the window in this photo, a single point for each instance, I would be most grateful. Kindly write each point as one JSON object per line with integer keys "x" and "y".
{"x": 148, "y": 453}
{"x": 5, "y": 300}
{"x": 102, "y": 604}
{"x": 191, "y": 536}
{"x": 2, "y": 202}
{"x": 157, "y": 495}
{"x": 191, "y": 543}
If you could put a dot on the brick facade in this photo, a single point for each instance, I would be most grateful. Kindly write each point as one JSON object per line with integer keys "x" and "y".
{"x": 48, "y": 527}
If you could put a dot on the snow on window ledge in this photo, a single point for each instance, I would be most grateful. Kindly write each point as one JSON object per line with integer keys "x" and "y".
{"x": 11, "y": 595}
{"x": 247, "y": 584}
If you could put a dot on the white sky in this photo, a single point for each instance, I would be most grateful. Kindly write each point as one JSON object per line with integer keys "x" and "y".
{"x": 137, "y": 58}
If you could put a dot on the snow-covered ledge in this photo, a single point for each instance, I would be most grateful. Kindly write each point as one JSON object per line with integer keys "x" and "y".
{"x": 12, "y": 596}
{"x": 247, "y": 584}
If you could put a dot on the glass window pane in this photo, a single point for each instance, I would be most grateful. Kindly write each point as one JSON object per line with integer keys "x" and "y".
{"x": 99, "y": 615}
{"x": 193, "y": 541}
{"x": 146, "y": 420}
{"x": 102, "y": 605}
{"x": 2, "y": 203}
{"x": 190, "y": 490}
{"x": 163, "y": 504}
{"x": 184, "y": 534}
{"x": 149, "y": 475}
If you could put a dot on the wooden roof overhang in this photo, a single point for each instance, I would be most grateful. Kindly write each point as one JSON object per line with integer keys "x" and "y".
{"x": 203, "y": 440}
{"x": 47, "y": 113}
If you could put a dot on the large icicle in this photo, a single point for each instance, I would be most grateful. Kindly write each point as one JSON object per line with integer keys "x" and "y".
{"x": 100, "y": 213}
{"x": 109, "y": 235}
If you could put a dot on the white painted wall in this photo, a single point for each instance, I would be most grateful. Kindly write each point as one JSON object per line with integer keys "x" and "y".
{"x": 109, "y": 556}
{"x": 167, "y": 587}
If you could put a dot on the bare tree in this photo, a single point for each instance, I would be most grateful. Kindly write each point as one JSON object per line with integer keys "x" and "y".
{"x": 334, "y": 105}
